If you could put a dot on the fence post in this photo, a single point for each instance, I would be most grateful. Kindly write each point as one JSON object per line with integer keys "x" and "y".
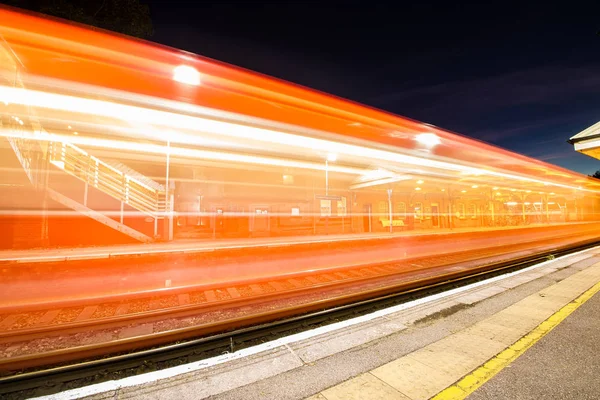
{"x": 389, "y": 193}
{"x": 96, "y": 173}
{"x": 171, "y": 208}
{"x": 122, "y": 210}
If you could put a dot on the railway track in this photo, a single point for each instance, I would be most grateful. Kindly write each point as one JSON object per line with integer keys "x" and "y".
{"x": 373, "y": 285}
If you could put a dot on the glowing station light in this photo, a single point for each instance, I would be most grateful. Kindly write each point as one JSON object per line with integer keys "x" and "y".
{"x": 186, "y": 74}
{"x": 429, "y": 140}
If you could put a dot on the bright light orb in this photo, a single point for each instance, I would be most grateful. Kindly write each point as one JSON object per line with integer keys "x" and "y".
{"x": 429, "y": 140}
{"x": 186, "y": 74}
{"x": 331, "y": 157}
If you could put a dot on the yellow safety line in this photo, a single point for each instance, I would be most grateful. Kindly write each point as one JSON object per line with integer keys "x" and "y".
{"x": 484, "y": 373}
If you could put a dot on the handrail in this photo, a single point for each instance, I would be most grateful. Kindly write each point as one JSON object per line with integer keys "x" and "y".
{"x": 107, "y": 178}
{"x": 29, "y": 152}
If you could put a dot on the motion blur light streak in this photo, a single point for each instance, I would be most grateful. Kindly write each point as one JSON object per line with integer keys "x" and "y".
{"x": 130, "y": 113}
{"x": 176, "y": 151}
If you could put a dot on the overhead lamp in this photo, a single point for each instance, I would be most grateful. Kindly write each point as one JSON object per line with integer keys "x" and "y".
{"x": 495, "y": 188}
{"x": 420, "y": 181}
{"x": 417, "y": 188}
{"x": 498, "y": 194}
{"x": 428, "y": 139}
{"x": 463, "y": 191}
{"x": 552, "y": 194}
{"x": 186, "y": 74}
{"x": 474, "y": 186}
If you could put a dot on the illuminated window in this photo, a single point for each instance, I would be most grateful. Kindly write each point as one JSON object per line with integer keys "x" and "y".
{"x": 461, "y": 210}
{"x": 295, "y": 211}
{"x": 418, "y": 210}
{"x": 400, "y": 210}
{"x": 473, "y": 211}
{"x": 383, "y": 208}
{"x": 341, "y": 207}
{"x": 325, "y": 208}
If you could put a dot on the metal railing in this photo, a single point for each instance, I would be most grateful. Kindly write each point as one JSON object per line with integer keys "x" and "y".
{"x": 29, "y": 152}
{"x": 152, "y": 201}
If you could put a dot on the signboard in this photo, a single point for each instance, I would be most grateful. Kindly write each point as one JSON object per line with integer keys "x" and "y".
{"x": 334, "y": 198}
{"x": 325, "y": 208}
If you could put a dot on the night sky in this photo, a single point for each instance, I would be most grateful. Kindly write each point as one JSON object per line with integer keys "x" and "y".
{"x": 523, "y": 77}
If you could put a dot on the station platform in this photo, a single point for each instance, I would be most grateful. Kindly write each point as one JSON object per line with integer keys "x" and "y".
{"x": 197, "y": 246}
{"x": 530, "y": 334}
{"x": 73, "y": 279}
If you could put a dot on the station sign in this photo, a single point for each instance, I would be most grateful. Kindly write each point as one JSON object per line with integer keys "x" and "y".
{"x": 322, "y": 197}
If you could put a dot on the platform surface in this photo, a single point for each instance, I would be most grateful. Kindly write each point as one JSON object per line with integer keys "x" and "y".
{"x": 191, "y": 246}
{"x": 532, "y": 334}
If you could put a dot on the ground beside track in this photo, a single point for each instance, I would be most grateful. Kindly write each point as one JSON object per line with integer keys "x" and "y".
{"x": 562, "y": 365}
{"x": 300, "y": 369}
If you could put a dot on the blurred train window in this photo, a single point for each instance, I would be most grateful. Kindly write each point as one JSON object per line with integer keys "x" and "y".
{"x": 341, "y": 207}
{"x": 418, "y": 210}
{"x": 383, "y": 208}
{"x": 461, "y": 211}
{"x": 325, "y": 208}
{"x": 473, "y": 211}
{"x": 401, "y": 210}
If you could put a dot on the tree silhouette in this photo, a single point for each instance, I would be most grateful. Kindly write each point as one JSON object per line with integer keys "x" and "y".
{"x": 596, "y": 175}
{"x": 129, "y": 17}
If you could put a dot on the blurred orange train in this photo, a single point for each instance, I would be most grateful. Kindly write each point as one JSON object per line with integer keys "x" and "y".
{"x": 136, "y": 142}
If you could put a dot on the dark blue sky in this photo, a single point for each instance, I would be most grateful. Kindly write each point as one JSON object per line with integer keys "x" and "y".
{"x": 523, "y": 77}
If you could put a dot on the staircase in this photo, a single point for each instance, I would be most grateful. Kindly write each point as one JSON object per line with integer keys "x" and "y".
{"x": 107, "y": 192}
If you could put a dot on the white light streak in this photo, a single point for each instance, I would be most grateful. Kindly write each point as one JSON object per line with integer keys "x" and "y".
{"x": 186, "y": 74}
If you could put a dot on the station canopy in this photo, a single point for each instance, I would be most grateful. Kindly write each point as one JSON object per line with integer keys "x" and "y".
{"x": 588, "y": 141}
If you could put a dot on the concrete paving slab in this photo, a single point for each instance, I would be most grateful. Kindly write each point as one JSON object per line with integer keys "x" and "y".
{"x": 335, "y": 342}
{"x": 585, "y": 263}
{"x": 481, "y": 294}
{"x": 420, "y": 312}
{"x": 504, "y": 334}
{"x": 406, "y": 375}
{"x": 206, "y": 382}
{"x": 473, "y": 346}
{"x": 317, "y": 396}
{"x": 365, "y": 386}
{"x": 446, "y": 359}
{"x": 564, "y": 364}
